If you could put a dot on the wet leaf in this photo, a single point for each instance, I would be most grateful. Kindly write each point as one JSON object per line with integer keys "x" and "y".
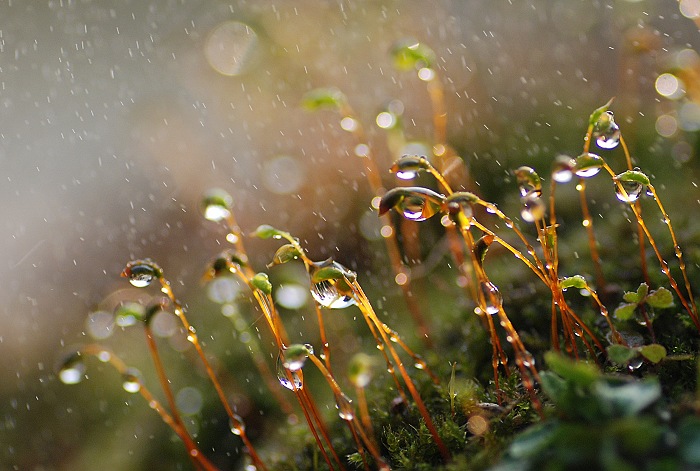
{"x": 654, "y": 352}
{"x": 625, "y": 311}
{"x": 660, "y": 298}
{"x": 621, "y": 354}
{"x": 576, "y": 281}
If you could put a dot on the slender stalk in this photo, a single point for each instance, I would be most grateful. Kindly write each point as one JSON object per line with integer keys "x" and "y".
{"x": 368, "y": 311}
{"x": 198, "y": 459}
{"x": 192, "y": 337}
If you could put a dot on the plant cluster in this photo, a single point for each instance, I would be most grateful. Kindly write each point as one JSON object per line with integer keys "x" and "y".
{"x": 587, "y": 404}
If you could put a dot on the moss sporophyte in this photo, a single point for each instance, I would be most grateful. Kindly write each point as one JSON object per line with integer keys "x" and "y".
{"x": 424, "y": 413}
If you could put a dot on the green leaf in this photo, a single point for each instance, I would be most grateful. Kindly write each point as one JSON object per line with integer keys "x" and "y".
{"x": 654, "y": 352}
{"x": 595, "y": 116}
{"x": 576, "y": 281}
{"x": 262, "y": 282}
{"x": 625, "y": 311}
{"x": 642, "y": 292}
{"x": 660, "y": 298}
{"x": 577, "y": 372}
{"x": 621, "y": 354}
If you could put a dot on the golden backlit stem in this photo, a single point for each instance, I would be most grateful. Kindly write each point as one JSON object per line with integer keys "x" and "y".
{"x": 191, "y": 334}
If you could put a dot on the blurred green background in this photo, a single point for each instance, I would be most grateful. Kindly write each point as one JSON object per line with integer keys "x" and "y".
{"x": 117, "y": 116}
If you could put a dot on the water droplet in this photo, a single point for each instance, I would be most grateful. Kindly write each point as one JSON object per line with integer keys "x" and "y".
{"x": 563, "y": 169}
{"x": 607, "y": 132}
{"x": 406, "y": 174}
{"x": 333, "y": 292}
{"x": 344, "y": 406}
{"x": 533, "y": 208}
{"x": 216, "y": 205}
{"x": 72, "y": 370}
{"x": 588, "y": 165}
{"x": 141, "y": 273}
{"x": 236, "y": 424}
{"x": 326, "y": 294}
{"x": 282, "y": 376}
{"x": 492, "y": 299}
{"x": 529, "y": 183}
{"x": 295, "y": 356}
{"x": 632, "y": 191}
{"x": 131, "y": 380}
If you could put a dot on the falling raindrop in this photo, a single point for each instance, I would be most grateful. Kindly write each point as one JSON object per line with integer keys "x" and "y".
{"x": 349, "y": 124}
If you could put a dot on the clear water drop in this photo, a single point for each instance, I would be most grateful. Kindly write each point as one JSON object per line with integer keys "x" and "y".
{"x": 327, "y": 295}
{"x": 216, "y": 205}
{"x": 492, "y": 299}
{"x": 295, "y": 356}
{"x": 282, "y": 376}
{"x": 609, "y": 139}
{"x": 563, "y": 169}
{"x": 236, "y": 425}
{"x": 632, "y": 191}
{"x": 344, "y": 406}
{"x": 141, "y": 273}
{"x": 533, "y": 208}
{"x": 73, "y": 370}
{"x": 588, "y": 165}
{"x": 607, "y": 132}
{"x": 406, "y": 174}
{"x": 131, "y": 380}
{"x": 529, "y": 183}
